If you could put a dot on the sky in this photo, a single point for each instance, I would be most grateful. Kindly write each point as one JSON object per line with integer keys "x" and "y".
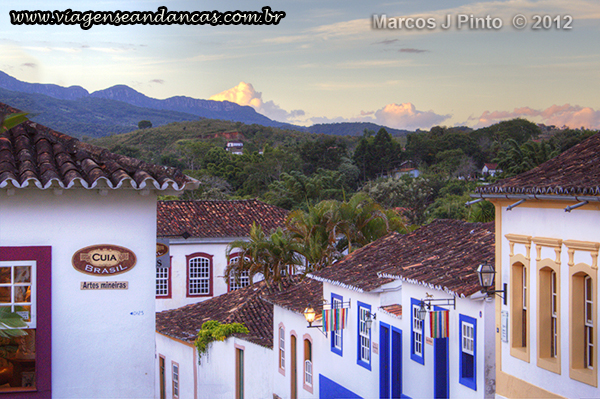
{"x": 328, "y": 61}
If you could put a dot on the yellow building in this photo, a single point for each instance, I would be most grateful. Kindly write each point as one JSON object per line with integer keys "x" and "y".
{"x": 547, "y": 241}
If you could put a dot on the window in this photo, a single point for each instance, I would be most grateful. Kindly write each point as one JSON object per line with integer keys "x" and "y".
{"x": 519, "y": 310}
{"x": 416, "y": 345}
{"x": 163, "y": 282}
{"x": 199, "y": 274}
{"x": 336, "y": 335}
{"x": 583, "y": 325}
{"x": 468, "y": 351}
{"x": 243, "y": 278}
{"x": 364, "y": 334}
{"x": 548, "y": 321}
{"x": 25, "y": 288}
{"x": 281, "y": 349}
{"x": 554, "y": 317}
{"x": 589, "y": 324}
{"x": 175, "y": 380}
{"x": 308, "y": 365}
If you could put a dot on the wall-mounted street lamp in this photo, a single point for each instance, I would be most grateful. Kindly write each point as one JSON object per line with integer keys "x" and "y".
{"x": 486, "y": 274}
{"x": 310, "y": 315}
{"x": 369, "y": 320}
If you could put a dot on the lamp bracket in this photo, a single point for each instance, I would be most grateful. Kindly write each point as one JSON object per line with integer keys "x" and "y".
{"x": 439, "y": 302}
{"x": 503, "y": 291}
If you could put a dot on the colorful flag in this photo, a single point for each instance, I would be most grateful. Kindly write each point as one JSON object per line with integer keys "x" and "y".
{"x": 439, "y": 324}
{"x": 335, "y": 319}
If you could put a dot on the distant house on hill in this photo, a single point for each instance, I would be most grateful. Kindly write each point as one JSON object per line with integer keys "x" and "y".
{"x": 235, "y": 147}
{"x": 490, "y": 169}
{"x": 407, "y": 168}
{"x": 198, "y": 233}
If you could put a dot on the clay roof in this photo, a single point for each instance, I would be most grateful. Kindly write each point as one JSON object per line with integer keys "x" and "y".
{"x": 37, "y": 156}
{"x": 574, "y": 172}
{"x": 239, "y": 306}
{"x": 216, "y": 218}
{"x": 443, "y": 255}
{"x": 394, "y": 310}
{"x": 298, "y": 297}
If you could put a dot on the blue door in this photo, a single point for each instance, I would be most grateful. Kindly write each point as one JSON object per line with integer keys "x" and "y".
{"x": 441, "y": 381}
{"x": 396, "y": 363}
{"x": 384, "y": 361}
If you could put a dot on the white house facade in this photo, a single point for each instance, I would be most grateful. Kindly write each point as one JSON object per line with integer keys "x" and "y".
{"x": 199, "y": 233}
{"x": 234, "y": 368}
{"x": 382, "y": 285}
{"x": 77, "y": 237}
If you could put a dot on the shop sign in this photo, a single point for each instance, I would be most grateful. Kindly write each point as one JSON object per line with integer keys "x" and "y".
{"x": 104, "y": 285}
{"x": 104, "y": 260}
{"x": 163, "y": 259}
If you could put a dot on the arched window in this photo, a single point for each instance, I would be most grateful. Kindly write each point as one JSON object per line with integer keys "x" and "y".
{"x": 308, "y": 365}
{"x": 240, "y": 279}
{"x": 199, "y": 274}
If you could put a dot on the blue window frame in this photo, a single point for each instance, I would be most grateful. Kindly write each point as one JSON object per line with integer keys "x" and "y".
{"x": 468, "y": 351}
{"x": 417, "y": 333}
{"x": 337, "y": 336}
{"x": 363, "y": 336}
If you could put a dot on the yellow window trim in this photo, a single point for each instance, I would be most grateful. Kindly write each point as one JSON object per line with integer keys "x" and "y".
{"x": 547, "y": 362}
{"x": 576, "y": 370}
{"x": 520, "y": 352}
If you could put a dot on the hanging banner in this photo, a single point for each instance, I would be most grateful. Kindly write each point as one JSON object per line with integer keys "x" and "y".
{"x": 439, "y": 324}
{"x": 335, "y": 319}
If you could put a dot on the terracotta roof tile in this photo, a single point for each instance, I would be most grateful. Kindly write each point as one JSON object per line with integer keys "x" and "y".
{"x": 217, "y": 218}
{"x": 574, "y": 172}
{"x": 394, "y": 310}
{"x": 240, "y": 306}
{"x": 34, "y": 155}
{"x": 444, "y": 254}
{"x": 298, "y": 296}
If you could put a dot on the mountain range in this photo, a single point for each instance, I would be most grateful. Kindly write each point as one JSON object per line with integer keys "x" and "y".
{"x": 118, "y": 109}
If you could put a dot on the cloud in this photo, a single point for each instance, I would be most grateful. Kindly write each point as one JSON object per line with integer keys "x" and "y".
{"x": 572, "y": 116}
{"x": 244, "y": 94}
{"x": 159, "y": 81}
{"x": 29, "y": 65}
{"x": 412, "y": 50}
{"x": 388, "y": 41}
{"x": 406, "y": 116}
{"x": 397, "y": 116}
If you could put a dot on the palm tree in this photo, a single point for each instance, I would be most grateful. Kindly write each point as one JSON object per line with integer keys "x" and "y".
{"x": 274, "y": 256}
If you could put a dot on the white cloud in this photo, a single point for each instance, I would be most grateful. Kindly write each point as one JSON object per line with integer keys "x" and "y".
{"x": 397, "y": 116}
{"x": 244, "y": 94}
{"x": 572, "y": 116}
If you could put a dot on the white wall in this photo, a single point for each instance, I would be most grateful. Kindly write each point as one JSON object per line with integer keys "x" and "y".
{"x": 417, "y": 379}
{"x": 580, "y": 225}
{"x": 99, "y": 349}
{"x": 215, "y": 375}
{"x": 296, "y": 323}
{"x": 179, "y": 249}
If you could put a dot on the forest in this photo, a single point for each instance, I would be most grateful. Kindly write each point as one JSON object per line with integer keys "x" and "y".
{"x": 297, "y": 170}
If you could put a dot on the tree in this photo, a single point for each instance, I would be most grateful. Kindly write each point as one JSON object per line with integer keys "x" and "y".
{"x": 274, "y": 256}
{"x": 375, "y": 155}
{"x": 144, "y": 124}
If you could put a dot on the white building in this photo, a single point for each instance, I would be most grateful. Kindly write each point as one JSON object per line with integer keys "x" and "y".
{"x": 382, "y": 285}
{"x": 199, "y": 233}
{"x": 548, "y": 259}
{"x": 77, "y": 249}
{"x": 235, "y": 368}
